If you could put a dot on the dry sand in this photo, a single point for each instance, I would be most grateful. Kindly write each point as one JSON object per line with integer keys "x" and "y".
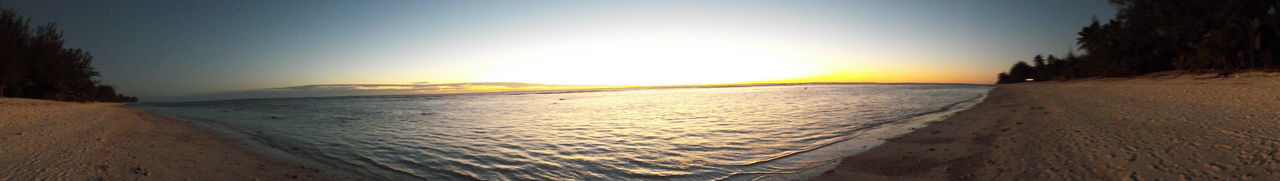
{"x": 46, "y": 140}
{"x": 1173, "y": 127}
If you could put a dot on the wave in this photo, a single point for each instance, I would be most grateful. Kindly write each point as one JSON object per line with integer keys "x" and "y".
{"x": 918, "y": 119}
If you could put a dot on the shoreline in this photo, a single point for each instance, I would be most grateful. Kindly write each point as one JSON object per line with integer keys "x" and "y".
{"x": 104, "y": 141}
{"x": 261, "y": 147}
{"x": 1164, "y": 127}
{"x": 871, "y": 139}
{"x": 1153, "y": 127}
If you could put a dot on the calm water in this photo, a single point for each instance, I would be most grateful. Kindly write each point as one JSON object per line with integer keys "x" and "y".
{"x": 741, "y": 133}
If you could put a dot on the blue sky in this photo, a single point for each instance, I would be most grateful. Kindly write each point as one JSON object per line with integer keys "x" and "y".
{"x": 171, "y": 48}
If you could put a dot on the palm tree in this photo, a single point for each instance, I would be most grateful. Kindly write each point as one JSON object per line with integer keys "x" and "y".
{"x": 1090, "y": 37}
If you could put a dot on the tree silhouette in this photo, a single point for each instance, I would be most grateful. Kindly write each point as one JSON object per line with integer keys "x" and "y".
{"x": 1020, "y": 72}
{"x": 36, "y": 65}
{"x": 1004, "y": 78}
{"x": 1158, "y": 35}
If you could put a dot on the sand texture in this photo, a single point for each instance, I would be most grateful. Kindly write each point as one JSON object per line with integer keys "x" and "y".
{"x": 46, "y": 140}
{"x": 1172, "y": 127}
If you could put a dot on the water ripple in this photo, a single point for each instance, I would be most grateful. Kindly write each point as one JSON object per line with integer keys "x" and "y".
{"x": 742, "y": 133}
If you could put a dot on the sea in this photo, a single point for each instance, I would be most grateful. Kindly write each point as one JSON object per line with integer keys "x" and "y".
{"x": 778, "y": 132}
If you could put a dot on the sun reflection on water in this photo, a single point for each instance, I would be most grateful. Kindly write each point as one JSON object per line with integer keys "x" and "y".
{"x": 676, "y": 134}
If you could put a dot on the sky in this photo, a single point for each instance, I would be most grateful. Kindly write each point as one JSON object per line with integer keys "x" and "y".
{"x": 175, "y": 48}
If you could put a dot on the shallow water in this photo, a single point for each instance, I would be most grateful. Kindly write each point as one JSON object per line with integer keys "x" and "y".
{"x": 737, "y": 133}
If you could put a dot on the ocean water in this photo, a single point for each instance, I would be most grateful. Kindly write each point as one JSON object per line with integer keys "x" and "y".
{"x": 733, "y": 133}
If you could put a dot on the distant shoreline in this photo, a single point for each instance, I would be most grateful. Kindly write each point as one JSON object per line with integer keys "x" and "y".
{"x": 568, "y": 91}
{"x": 48, "y": 140}
{"x": 1162, "y": 127}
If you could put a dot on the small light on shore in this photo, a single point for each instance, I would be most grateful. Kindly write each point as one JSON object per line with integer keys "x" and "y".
{"x": 1031, "y": 80}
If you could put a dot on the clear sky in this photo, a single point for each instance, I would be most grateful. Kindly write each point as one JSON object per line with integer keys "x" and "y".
{"x": 170, "y": 48}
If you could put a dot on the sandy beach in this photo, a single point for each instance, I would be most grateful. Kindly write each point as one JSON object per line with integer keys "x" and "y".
{"x": 47, "y": 140}
{"x": 1156, "y": 127}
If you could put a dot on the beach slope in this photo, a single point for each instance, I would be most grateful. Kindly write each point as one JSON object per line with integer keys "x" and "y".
{"x": 1175, "y": 127}
{"x": 47, "y": 140}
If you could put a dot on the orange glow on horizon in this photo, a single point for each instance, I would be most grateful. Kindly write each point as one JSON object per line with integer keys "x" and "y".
{"x": 847, "y": 75}
{"x": 808, "y": 74}
{"x": 641, "y": 77}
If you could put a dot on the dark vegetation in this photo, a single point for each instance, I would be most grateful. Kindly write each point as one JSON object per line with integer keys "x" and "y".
{"x": 1161, "y": 35}
{"x": 33, "y": 64}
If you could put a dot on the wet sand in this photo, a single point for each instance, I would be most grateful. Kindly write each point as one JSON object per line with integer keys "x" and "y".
{"x": 1156, "y": 127}
{"x": 47, "y": 140}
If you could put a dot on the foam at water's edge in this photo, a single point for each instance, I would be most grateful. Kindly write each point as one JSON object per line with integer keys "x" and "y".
{"x": 256, "y": 145}
{"x": 866, "y": 140}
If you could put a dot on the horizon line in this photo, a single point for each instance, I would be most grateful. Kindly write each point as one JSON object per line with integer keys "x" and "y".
{"x": 555, "y": 87}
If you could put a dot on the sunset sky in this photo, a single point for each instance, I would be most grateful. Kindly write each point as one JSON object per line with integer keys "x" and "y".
{"x": 173, "y": 48}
